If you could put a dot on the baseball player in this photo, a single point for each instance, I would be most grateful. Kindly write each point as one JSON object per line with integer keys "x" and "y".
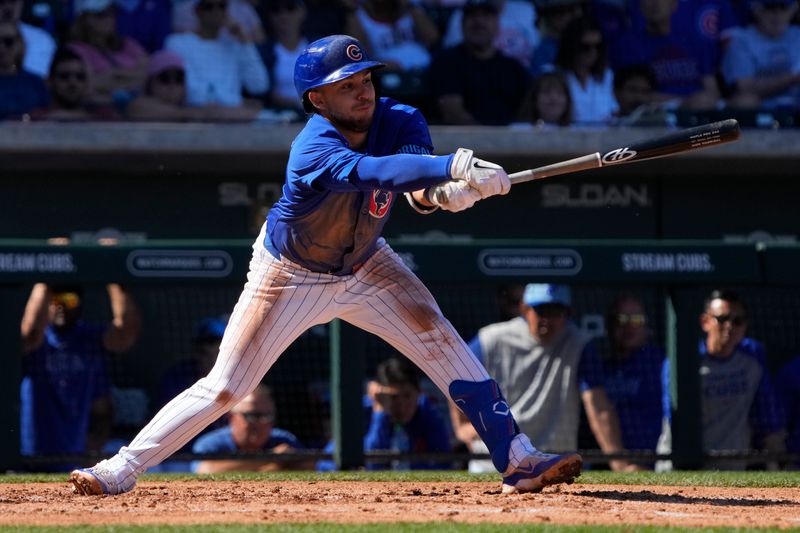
{"x": 320, "y": 256}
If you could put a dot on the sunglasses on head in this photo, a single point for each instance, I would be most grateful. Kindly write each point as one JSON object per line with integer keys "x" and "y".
{"x": 736, "y": 320}
{"x": 631, "y": 319}
{"x": 171, "y": 76}
{"x": 253, "y": 417}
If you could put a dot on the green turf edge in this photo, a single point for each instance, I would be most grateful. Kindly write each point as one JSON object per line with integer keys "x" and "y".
{"x": 786, "y": 479}
{"x": 398, "y": 527}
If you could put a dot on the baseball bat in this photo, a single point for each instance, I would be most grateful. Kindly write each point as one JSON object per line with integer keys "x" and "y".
{"x": 686, "y": 140}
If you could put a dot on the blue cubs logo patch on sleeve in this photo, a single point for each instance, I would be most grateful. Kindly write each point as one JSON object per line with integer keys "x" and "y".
{"x": 379, "y": 203}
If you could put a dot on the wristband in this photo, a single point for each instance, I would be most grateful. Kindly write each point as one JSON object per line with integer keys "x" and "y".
{"x": 418, "y": 207}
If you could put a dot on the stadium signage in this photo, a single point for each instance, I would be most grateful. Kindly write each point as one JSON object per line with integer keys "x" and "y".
{"x": 666, "y": 262}
{"x": 37, "y": 262}
{"x": 532, "y": 262}
{"x": 180, "y": 263}
{"x": 595, "y": 195}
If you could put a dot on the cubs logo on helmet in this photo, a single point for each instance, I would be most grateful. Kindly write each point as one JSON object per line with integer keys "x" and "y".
{"x": 379, "y": 203}
{"x": 329, "y": 60}
{"x": 354, "y": 52}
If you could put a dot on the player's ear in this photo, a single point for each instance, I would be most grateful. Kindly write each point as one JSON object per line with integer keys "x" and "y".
{"x": 316, "y": 99}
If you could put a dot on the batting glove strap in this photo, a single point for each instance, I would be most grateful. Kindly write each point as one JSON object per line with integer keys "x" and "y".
{"x": 461, "y": 163}
{"x": 485, "y": 177}
{"x": 418, "y": 207}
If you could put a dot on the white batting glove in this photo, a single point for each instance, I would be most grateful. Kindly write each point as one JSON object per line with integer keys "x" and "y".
{"x": 485, "y": 177}
{"x": 452, "y": 195}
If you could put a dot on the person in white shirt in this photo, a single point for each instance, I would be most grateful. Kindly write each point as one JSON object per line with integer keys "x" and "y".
{"x": 241, "y": 12}
{"x": 582, "y": 57}
{"x": 219, "y": 65}
{"x": 398, "y": 33}
{"x": 280, "y": 52}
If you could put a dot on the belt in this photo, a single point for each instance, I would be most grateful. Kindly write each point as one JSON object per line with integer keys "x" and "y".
{"x": 277, "y": 255}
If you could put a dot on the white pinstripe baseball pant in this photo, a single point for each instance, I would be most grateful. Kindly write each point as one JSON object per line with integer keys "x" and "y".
{"x": 279, "y": 302}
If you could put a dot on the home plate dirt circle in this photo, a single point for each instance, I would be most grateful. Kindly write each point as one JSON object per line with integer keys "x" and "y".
{"x": 348, "y": 502}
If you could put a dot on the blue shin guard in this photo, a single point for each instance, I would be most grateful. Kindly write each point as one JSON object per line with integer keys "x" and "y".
{"x": 484, "y": 405}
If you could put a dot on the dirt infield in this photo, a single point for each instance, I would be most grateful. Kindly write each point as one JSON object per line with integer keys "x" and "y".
{"x": 206, "y": 502}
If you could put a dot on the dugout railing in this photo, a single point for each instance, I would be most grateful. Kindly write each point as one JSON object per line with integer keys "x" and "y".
{"x": 673, "y": 277}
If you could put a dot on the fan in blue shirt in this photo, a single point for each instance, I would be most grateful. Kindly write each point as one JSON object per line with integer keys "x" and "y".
{"x": 250, "y": 429}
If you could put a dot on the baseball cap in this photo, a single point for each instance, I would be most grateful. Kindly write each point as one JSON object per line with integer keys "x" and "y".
{"x": 92, "y": 6}
{"x": 212, "y": 327}
{"x": 164, "y": 60}
{"x": 546, "y": 293}
{"x": 471, "y": 6}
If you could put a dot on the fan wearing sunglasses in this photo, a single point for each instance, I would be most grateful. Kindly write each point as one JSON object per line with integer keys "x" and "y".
{"x": 740, "y": 411}
{"x": 632, "y": 373}
{"x": 71, "y": 93}
{"x": 251, "y": 428}
{"x": 164, "y": 97}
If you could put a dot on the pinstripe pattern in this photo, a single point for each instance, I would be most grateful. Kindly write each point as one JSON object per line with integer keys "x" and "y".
{"x": 387, "y": 299}
{"x": 279, "y": 302}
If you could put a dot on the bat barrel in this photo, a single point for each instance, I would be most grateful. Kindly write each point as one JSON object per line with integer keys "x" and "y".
{"x": 704, "y": 136}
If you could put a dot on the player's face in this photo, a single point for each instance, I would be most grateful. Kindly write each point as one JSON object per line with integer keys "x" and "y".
{"x": 400, "y": 401}
{"x": 546, "y": 321}
{"x": 252, "y": 421}
{"x": 725, "y": 325}
{"x": 629, "y": 329}
{"x": 349, "y": 103}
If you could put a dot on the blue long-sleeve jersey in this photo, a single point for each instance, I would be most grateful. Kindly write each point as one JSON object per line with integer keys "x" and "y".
{"x": 336, "y": 200}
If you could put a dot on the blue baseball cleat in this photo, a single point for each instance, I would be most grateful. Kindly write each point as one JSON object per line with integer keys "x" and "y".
{"x": 99, "y": 480}
{"x": 538, "y": 470}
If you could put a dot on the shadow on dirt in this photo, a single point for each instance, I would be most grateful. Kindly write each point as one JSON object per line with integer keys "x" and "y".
{"x": 647, "y": 496}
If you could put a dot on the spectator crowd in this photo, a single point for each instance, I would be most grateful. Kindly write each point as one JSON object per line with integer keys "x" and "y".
{"x": 549, "y": 63}
{"x": 558, "y": 378}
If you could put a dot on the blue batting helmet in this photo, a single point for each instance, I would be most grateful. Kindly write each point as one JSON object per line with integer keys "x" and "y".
{"x": 328, "y": 60}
